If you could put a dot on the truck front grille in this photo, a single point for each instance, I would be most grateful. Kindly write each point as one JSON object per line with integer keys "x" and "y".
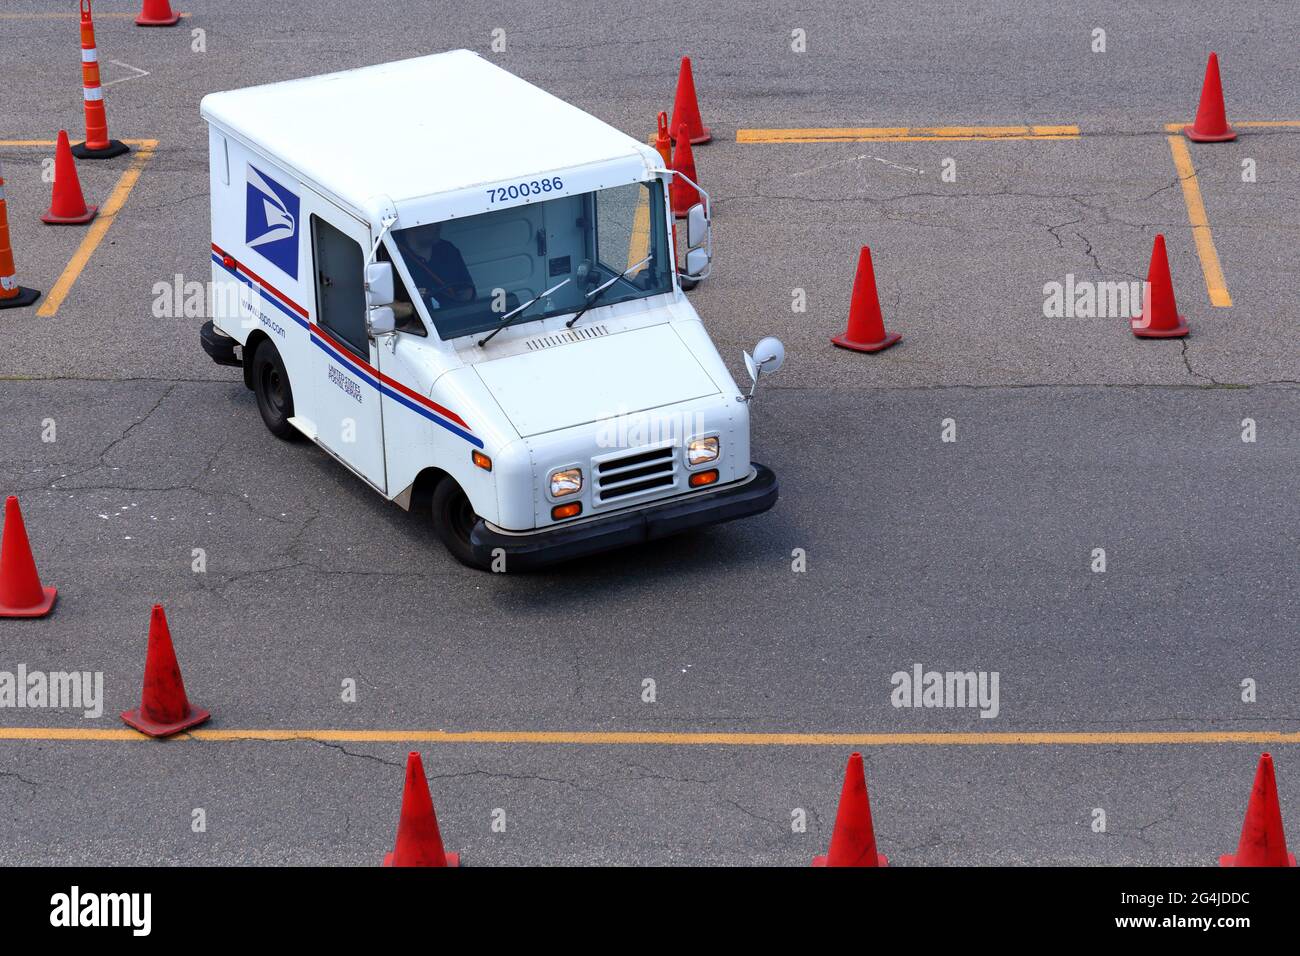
{"x": 638, "y": 473}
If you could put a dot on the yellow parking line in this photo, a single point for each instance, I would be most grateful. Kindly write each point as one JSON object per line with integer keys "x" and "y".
{"x": 99, "y": 227}
{"x": 665, "y": 738}
{"x": 72, "y": 15}
{"x": 1257, "y": 124}
{"x": 51, "y": 142}
{"x": 1215, "y": 283}
{"x": 905, "y": 134}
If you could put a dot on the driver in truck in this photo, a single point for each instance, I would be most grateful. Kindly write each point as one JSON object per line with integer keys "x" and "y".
{"x": 438, "y": 267}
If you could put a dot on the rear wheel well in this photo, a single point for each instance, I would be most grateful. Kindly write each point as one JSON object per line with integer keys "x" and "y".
{"x": 255, "y": 338}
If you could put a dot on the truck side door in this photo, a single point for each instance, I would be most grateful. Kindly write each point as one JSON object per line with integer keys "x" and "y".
{"x": 345, "y": 378}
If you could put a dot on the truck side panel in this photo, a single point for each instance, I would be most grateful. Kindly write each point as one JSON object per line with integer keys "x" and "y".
{"x": 261, "y": 257}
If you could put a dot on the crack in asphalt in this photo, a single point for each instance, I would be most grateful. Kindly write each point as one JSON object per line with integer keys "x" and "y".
{"x": 529, "y": 777}
{"x": 1187, "y": 363}
{"x": 319, "y": 571}
{"x": 648, "y": 774}
{"x": 258, "y": 572}
{"x": 1052, "y": 231}
{"x": 883, "y": 838}
{"x": 401, "y": 764}
{"x": 1173, "y": 809}
{"x": 1087, "y": 251}
{"x": 752, "y": 815}
{"x": 101, "y": 463}
{"x": 351, "y": 753}
{"x": 14, "y": 774}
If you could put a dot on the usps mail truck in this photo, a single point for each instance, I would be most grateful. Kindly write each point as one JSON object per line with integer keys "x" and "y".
{"x": 466, "y": 291}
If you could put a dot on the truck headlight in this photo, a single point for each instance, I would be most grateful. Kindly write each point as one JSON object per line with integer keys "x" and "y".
{"x": 566, "y": 482}
{"x": 702, "y": 450}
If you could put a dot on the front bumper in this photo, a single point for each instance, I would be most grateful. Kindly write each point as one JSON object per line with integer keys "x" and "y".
{"x": 535, "y": 549}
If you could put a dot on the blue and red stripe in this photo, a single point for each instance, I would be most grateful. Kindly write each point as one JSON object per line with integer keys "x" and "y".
{"x": 393, "y": 389}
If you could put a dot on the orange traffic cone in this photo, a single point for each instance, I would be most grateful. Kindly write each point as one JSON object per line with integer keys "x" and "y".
{"x": 67, "y": 205}
{"x": 1211, "y": 124}
{"x": 853, "y": 842}
{"x": 418, "y": 841}
{"x": 1159, "y": 318}
{"x": 682, "y": 191}
{"x": 97, "y": 144}
{"x": 12, "y": 295}
{"x": 663, "y": 142}
{"x": 21, "y": 593}
{"x": 157, "y": 13}
{"x": 686, "y": 108}
{"x": 164, "y": 709}
{"x": 1263, "y": 841}
{"x": 866, "y": 329}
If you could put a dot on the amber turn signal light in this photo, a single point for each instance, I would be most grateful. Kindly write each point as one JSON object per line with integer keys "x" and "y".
{"x": 570, "y": 510}
{"x": 704, "y": 478}
{"x": 482, "y": 460}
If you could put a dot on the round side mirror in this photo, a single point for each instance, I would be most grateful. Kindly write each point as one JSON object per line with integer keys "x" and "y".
{"x": 769, "y": 356}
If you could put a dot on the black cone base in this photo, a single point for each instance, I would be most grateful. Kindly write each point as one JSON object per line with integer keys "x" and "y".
{"x": 24, "y": 297}
{"x": 115, "y": 147}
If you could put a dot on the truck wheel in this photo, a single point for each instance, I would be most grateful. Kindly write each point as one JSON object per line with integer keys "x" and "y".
{"x": 453, "y": 520}
{"x": 274, "y": 395}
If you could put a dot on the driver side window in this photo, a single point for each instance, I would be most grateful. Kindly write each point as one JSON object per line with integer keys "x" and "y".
{"x": 340, "y": 286}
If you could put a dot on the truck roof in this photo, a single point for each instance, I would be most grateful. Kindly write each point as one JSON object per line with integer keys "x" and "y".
{"x": 418, "y": 127}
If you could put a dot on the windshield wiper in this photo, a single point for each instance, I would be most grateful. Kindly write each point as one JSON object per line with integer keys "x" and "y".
{"x": 505, "y": 319}
{"x": 595, "y": 294}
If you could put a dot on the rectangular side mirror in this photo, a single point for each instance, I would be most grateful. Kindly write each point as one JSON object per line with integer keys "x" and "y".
{"x": 697, "y": 264}
{"x": 697, "y": 226}
{"x": 381, "y": 321}
{"x": 379, "y": 284}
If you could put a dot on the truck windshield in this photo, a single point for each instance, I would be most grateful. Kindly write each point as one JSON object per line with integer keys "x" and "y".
{"x": 473, "y": 272}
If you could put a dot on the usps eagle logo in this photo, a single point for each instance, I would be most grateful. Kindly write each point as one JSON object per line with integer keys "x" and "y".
{"x": 271, "y": 223}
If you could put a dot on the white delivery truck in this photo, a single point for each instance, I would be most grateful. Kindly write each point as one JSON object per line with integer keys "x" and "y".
{"x": 465, "y": 290}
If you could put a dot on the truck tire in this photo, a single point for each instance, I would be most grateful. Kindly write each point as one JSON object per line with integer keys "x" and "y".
{"x": 274, "y": 394}
{"x": 453, "y": 520}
